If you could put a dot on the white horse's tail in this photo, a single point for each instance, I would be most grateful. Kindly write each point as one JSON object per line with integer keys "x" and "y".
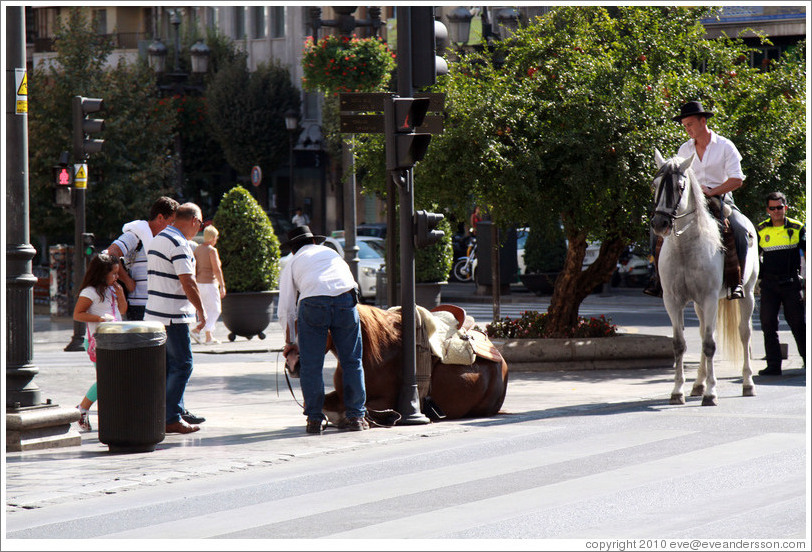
{"x": 727, "y": 330}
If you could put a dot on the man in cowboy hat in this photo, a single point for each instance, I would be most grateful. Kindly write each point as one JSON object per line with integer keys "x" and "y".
{"x": 317, "y": 295}
{"x": 717, "y": 166}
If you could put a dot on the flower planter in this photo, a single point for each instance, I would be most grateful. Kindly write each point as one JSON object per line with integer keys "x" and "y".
{"x": 622, "y": 351}
{"x": 248, "y": 313}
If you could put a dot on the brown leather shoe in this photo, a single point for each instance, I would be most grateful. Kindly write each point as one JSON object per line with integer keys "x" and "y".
{"x": 181, "y": 427}
{"x": 355, "y": 424}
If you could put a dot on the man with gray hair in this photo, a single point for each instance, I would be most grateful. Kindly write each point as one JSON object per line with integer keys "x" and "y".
{"x": 173, "y": 299}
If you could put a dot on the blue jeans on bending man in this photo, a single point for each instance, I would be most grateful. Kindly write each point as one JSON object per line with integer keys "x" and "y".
{"x": 339, "y": 316}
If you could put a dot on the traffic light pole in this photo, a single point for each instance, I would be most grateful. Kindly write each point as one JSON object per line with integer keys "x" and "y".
{"x": 78, "y": 338}
{"x": 408, "y": 399}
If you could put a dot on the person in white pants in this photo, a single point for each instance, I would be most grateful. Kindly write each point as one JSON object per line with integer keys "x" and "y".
{"x": 209, "y": 276}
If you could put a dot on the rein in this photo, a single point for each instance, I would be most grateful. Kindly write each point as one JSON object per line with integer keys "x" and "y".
{"x": 672, "y": 215}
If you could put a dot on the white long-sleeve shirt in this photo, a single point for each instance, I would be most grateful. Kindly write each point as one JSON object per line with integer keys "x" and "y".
{"x": 312, "y": 271}
{"x": 721, "y": 161}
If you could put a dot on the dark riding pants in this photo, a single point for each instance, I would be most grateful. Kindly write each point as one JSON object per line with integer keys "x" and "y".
{"x": 774, "y": 294}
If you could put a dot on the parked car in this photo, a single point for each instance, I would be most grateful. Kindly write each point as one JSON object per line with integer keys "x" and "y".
{"x": 633, "y": 269}
{"x": 371, "y": 257}
{"x": 372, "y": 229}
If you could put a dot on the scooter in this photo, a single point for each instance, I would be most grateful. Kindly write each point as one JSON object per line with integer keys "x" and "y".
{"x": 463, "y": 269}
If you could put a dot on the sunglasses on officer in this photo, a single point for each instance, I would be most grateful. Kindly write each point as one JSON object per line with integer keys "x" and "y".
{"x": 776, "y": 207}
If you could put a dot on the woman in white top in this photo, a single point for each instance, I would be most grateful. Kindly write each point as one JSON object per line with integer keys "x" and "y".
{"x": 101, "y": 300}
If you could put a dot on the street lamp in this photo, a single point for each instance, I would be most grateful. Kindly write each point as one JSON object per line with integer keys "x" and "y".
{"x": 180, "y": 84}
{"x": 292, "y": 124}
{"x": 508, "y": 22}
{"x": 459, "y": 24}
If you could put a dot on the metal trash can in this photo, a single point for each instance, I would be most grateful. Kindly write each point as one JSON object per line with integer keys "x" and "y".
{"x": 131, "y": 383}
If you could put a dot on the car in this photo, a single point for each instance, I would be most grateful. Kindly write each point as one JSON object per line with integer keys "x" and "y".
{"x": 633, "y": 269}
{"x": 372, "y": 229}
{"x": 371, "y": 257}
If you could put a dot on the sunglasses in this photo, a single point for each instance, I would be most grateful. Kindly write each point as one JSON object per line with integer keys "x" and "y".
{"x": 776, "y": 207}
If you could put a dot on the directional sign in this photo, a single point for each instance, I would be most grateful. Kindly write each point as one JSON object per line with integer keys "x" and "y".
{"x": 362, "y": 101}
{"x": 374, "y": 124}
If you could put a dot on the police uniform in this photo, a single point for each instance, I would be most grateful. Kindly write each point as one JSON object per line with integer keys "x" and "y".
{"x": 780, "y": 250}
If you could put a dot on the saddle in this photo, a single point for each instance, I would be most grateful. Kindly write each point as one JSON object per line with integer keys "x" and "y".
{"x": 459, "y": 342}
{"x": 732, "y": 270}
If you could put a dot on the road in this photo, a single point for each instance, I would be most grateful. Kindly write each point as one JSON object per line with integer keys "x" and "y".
{"x": 574, "y": 455}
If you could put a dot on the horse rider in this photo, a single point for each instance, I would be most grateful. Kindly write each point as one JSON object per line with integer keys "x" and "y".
{"x": 317, "y": 295}
{"x": 781, "y": 241}
{"x": 717, "y": 166}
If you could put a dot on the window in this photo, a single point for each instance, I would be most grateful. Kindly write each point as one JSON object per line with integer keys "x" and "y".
{"x": 258, "y": 23}
{"x": 239, "y": 23}
{"x": 277, "y": 21}
{"x": 211, "y": 18}
{"x": 100, "y": 21}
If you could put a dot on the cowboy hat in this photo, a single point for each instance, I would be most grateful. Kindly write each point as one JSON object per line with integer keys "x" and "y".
{"x": 302, "y": 233}
{"x": 692, "y": 108}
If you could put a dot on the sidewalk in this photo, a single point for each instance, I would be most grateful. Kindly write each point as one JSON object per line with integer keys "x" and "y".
{"x": 252, "y": 419}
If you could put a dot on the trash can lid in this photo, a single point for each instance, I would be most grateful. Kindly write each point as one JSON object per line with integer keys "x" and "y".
{"x": 132, "y": 326}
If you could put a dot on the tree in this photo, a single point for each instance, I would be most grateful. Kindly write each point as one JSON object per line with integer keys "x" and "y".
{"x": 566, "y": 125}
{"x": 247, "y": 113}
{"x": 134, "y": 167}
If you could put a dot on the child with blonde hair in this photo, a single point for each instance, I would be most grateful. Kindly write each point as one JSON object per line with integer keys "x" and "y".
{"x": 209, "y": 276}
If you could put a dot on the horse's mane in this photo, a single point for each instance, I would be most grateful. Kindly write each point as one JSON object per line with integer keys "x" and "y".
{"x": 379, "y": 330}
{"x": 705, "y": 222}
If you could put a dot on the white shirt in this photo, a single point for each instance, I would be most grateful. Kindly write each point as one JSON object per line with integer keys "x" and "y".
{"x": 314, "y": 270}
{"x": 721, "y": 161}
{"x": 100, "y": 306}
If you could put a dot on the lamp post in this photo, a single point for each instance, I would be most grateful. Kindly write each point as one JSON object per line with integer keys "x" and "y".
{"x": 179, "y": 82}
{"x": 292, "y": 124}
{"x": 346, "y": 23}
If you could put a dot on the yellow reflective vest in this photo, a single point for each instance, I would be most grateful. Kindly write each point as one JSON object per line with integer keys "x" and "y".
{"x": 780, "y": 247}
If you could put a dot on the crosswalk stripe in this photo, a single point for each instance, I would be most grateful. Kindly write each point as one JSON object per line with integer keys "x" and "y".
{"x": 460, "y": 517}
{"x": 266, "y": 513}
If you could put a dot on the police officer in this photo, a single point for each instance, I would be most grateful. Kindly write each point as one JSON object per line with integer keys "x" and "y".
{"x": 781, "y": 240}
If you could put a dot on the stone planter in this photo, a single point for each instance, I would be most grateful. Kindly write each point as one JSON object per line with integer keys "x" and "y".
{"x": 427, "y": 294}
{"x": 248, "y": 313}
{"x": 602, "y": 353}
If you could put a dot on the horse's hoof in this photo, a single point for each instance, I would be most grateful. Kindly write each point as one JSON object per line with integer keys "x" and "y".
{"x": 708, "y": 401}
{"x": 677, "y": 399}
{"x": 698, "y": 391}
{"x": 231, "y": 337}
{"x": 749, "y": 391}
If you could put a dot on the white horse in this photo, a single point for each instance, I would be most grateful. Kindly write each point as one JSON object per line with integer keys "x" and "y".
{"x": 690, "y": 265}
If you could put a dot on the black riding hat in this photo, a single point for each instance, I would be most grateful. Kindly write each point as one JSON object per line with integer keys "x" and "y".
{"x": 692, "y": 108}
{"x": 300, "y": 234}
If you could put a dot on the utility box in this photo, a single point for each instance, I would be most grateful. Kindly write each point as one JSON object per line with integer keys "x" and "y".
{"x": 60, "y": 260}
{"x": 131, "y": 383}
{"x": 508, "y": 262}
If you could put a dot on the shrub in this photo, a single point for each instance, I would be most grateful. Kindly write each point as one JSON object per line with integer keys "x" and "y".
{"x": 433, "y": 263}
{"x": 535, "y": 325}
{"x": 248, "y": 247}
{"x": 546, "y": 248}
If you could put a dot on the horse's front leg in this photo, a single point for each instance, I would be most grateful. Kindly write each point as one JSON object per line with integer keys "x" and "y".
{"x": 675, "y": 313}
{"x": 709, "y": 350}
{"x": 702, "y": 373}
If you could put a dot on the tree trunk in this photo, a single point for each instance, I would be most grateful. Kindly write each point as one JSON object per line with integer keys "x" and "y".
{"x": 574, "y": 285}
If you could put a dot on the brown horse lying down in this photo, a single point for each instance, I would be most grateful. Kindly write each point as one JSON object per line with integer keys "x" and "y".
{"x": 459, "y": 391}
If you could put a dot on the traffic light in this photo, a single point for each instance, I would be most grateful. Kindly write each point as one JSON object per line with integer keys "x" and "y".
{"x": 424, "y": 224}
{"x": 429, "y": 37}
{"x": 62, "y": 180}
{"x": 89, "y": 244}
{"x": 83, "y": 126}
{"x": 404, "y": 146}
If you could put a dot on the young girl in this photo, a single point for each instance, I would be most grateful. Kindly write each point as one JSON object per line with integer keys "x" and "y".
{"x": 101, "y": 300}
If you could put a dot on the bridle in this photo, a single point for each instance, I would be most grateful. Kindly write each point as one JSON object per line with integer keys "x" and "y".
{"x": 667, "y": 181}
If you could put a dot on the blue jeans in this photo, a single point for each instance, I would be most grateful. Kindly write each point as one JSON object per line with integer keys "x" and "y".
{"x": 339, "y": 316}
{"x": 178, "y": 368}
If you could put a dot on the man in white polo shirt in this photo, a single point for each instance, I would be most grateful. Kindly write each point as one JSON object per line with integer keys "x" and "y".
{"x": 174, "y": 299}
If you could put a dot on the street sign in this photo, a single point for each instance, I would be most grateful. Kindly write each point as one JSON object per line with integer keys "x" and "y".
{"x": 256, "y": 175}
{"x": 362, "y": 101}
{"x": 21, "y": 82}
{"x": 374, "y": 124}
{"x": 80, "y": 175}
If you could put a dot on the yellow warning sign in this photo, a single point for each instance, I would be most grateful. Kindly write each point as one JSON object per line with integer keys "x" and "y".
{"x": 22, "y": 89}
{"x": 21, "y": 79}
{"x": 80, "y": 175}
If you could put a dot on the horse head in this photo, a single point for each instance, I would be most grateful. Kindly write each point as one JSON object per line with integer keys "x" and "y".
{"x": 672, "y": 192}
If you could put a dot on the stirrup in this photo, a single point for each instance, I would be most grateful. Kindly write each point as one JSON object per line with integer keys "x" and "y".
{"x": 736, "y": 292}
